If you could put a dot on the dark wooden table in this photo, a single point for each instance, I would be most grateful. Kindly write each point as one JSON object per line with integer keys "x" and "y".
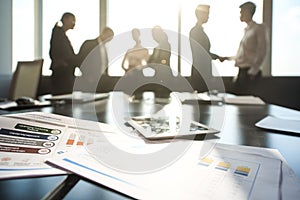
{"x": 236, "y": 124}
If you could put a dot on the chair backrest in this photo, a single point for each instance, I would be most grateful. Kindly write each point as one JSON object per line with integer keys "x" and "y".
{"x": 26, "y": 79}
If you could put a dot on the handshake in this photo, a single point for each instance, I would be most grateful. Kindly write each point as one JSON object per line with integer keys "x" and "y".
{"x": 222, "y": 59}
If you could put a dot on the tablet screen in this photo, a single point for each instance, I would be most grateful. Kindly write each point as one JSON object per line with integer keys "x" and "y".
{"x": 167, "y": 127}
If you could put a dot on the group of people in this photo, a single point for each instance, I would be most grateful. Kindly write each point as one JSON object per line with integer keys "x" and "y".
{"x": 250, "y": 54}
{"x": 249, "y": 57}
{"x": 64, "y": 59}
{"x": 139, "y": 55}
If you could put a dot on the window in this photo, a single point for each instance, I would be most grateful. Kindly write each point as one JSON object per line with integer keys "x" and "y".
{"x": 286, "y": 33}
{"x": 87, "y": 23}
{"x": 224, "y": 28}
{"x": 123, "y": 16}
{"x": 23, "y": 31}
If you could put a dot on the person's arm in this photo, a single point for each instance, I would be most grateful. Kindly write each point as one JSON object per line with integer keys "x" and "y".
{"x": 64, "y": 49}
{"x": 125, "y": 63}
{"x": 83, "y": 52}
{"x": 71, "y": 57}
{"x": 214, "y": 56}
{"x": 223, "y": 58}
{"x": 85, "y": 49}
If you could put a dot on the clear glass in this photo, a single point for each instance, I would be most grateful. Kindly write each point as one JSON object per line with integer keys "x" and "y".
{"x": 87, "y": 23}
{"x": 23, "y": 31}
{"x": 285, "y": 36}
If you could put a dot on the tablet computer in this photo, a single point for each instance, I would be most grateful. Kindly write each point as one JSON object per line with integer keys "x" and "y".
{"x": 154, "y": 128}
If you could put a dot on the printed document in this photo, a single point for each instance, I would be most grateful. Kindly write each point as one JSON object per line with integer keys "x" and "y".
{"x": 222, "y": 174}
{"x": 28, "y": 139}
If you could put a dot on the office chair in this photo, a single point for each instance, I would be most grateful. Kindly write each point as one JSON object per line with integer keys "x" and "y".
{"x": 26, "y": 79}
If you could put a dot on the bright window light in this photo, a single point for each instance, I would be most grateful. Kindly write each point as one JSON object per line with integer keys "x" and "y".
{"x": 286, "y": 33}
{"x": 23, "y": 31}
{"x": 87, "y": 23}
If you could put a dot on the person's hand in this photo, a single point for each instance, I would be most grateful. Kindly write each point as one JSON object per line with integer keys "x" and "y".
{"x": 223, "y": 58}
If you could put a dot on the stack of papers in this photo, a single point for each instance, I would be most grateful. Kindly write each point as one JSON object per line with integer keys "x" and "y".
{"x": 279, "y": 124}
{"x": 199, "y": 98}
{"x": 109, "y": 156}
{"x": 28, "y": 139}
{"x": 248, "y": 100}
{"x": 78, "y": 97}
{"x": 227, "y": 172}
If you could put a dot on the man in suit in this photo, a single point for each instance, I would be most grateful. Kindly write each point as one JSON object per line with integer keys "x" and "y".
{"x": 200, "y": 46}
{"x": 93, "y": 59}
{"x": 63, "y": 58}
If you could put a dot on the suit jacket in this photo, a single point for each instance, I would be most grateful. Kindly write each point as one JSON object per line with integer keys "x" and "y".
{"x": 86, "y": 47}
{"x": 61, "y": 51}
{"x": 161, "y": 56}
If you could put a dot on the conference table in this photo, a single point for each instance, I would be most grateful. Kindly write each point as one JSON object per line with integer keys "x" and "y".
{"x": 235, "y": 122}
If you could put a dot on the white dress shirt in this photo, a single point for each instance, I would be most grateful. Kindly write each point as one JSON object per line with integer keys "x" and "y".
{"x": 253, "y": 48}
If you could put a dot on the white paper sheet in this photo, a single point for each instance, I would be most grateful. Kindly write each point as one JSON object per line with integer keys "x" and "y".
{"x": 27, "y": 139}
{"x": 223, "y": 174}
{"x": 290, "y": 183}
{"x": 274, "y": 123}
{"x": 248, "y": 100}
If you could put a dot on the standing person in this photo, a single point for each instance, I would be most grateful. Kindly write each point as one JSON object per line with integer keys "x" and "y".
{"x": 202, "y": 67}
{"x": 93, "y": 59}
{"x": 251, "y": 52}
{"x": 162, "y": 52}
{"x": 63, "y": 58}
{"x": 136, "y": 56}
{"x": 197, "y": 33}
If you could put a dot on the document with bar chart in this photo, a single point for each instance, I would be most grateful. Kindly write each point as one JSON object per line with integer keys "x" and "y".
{"x": 28, "y": 139}
{"x": 24, "y": 145}
{"x": 222, "y": 174}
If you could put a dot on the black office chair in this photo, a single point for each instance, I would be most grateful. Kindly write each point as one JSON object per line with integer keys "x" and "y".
{"x": 26, "y": 79}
